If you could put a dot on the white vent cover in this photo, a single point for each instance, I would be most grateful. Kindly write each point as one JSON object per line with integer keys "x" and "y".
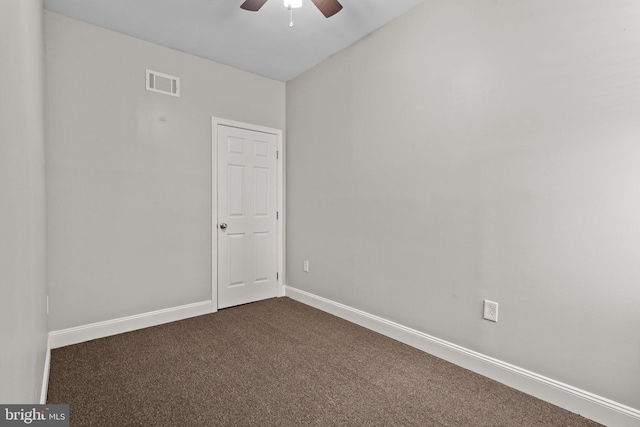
{"x": 163, "y": 83}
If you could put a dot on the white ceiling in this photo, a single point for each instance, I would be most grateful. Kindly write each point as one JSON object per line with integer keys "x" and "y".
{"x": 259, "y": 42}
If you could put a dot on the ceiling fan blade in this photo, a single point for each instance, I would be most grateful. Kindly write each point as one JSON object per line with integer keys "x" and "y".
{"x": 253, "y": 5}
{"x": 328, "y": 7}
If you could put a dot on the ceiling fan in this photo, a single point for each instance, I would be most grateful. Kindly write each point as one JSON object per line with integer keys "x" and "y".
{"x": 327, "y": 7}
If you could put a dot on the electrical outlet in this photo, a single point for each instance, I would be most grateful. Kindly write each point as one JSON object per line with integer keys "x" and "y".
{"x": 491, "y": 310}
{"x": 305, "y": 266}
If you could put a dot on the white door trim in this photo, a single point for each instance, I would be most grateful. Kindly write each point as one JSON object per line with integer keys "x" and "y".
{"x": 280, "y": 183}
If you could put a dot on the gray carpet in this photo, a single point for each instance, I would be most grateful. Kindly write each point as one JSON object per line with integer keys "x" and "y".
{"x": 278, "y": 363}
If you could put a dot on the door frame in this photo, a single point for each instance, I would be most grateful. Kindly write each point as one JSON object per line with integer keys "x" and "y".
{"x": 280, "y": 202}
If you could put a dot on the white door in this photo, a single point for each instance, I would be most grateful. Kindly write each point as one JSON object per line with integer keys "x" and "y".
{"x": 247, "y": 223}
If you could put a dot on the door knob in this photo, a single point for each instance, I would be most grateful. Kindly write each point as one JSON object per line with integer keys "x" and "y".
{"x": 223, "y": 226}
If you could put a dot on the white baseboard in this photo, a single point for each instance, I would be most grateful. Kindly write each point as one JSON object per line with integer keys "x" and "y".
{"x": 578, "y": 401}
{"x": 45, "y": 375}
{"x": 93, "y": 331}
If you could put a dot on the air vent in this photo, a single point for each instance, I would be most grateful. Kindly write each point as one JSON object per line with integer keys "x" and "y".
{"x": 163, "y": 83}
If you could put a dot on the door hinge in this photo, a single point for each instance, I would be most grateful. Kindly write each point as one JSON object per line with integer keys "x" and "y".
{"x": 277, "y": 154}
{"x": 277, "y": 215}
{"x": 277, "y": 276}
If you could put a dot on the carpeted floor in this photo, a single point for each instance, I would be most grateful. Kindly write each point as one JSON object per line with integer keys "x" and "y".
{"x": 278, "y": 363}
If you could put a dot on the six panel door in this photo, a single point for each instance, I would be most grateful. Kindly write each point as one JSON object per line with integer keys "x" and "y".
{"x": 247, "y": 224}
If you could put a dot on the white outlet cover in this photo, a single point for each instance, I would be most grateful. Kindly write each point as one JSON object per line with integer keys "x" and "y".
{"x": 491, "y": 310}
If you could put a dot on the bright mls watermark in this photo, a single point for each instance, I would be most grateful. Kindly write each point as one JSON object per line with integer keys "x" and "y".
{"x": 34, "y": 415}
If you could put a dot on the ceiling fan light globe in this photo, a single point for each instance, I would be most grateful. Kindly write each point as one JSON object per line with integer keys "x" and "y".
{"x": 293, "y": 4}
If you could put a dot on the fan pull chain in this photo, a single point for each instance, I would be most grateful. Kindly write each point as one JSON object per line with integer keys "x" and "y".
{"x": 291, "y": 16}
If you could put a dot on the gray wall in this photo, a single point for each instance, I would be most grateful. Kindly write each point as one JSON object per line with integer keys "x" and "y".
{"x": 129, "y": 171}
{"x": 478, "y": 150}
{"x": 23, "y": 288}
